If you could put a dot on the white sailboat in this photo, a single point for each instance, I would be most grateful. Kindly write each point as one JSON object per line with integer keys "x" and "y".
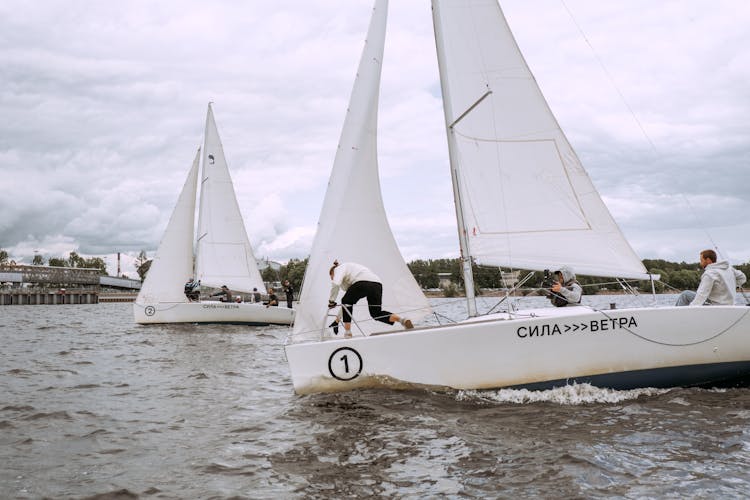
{"x": 503, "y": 140}
{"x": 223, "y": 255}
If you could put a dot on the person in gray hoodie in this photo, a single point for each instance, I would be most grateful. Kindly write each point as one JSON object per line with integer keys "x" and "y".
{"x": 718, "y": 284}
{"x": 566, "y": 290}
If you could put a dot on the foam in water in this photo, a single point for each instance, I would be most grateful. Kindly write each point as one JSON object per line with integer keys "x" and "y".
{"x": 574, "y": 394}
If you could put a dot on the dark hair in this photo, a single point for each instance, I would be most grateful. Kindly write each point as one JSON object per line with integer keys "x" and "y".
{"x": 335, "y": 264}
{"x": 709, "y": 254}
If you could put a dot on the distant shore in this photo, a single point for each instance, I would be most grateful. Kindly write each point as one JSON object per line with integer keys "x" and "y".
{"x": 517, "y": 293}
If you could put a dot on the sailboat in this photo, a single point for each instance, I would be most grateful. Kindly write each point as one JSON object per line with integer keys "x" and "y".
{"x": 223, "y": 255}
{"x": 503, "y": 140}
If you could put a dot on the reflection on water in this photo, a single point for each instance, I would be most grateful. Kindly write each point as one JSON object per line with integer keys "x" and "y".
{"x": 92, "y": 404}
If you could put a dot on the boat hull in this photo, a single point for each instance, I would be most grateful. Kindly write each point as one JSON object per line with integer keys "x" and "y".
{"x": 621, "y": 349}
{"x": 212, "y": 312}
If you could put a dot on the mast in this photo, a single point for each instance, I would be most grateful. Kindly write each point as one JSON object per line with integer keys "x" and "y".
{"x": 453, "y": 158}
{"x": 200, "y": 231}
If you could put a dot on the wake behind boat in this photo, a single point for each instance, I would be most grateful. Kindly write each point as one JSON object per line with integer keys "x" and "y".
{"x": 223, "y": 255}
{"x": 503, "y": 140}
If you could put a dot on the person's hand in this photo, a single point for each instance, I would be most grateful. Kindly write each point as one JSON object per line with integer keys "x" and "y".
{"x": 556, "y": 287}
{"x": 331, "y": 304}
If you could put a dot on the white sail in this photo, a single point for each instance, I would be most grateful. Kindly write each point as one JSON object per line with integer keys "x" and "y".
{"x": 173, "y": 264}
{"x": 223, "y": 252}
{"x": 353, "y": 225}
{"x": 527, "y": 201}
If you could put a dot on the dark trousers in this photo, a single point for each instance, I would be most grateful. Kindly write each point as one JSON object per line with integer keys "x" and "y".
{"x": 370, "y": 290}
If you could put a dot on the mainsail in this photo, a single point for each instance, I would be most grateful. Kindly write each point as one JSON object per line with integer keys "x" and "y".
{"x": 353, "y": 225}
{"x": 173, "y": 263}
{"x": 223, "y": 252}
{"x": 527, "y": 202}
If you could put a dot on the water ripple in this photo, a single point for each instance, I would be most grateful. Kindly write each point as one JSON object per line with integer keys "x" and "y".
{"x": 92, "y": 406}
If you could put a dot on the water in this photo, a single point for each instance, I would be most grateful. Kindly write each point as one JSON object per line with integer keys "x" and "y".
{"x": 91, "y": 404}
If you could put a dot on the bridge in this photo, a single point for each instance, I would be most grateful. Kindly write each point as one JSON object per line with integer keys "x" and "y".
{"x": 64, "y": 276}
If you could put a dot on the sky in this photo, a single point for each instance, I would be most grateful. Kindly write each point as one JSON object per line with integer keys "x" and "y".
{"x": 102, "y": 106}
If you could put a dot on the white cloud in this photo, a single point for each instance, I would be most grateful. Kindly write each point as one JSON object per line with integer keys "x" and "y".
{"x": 103, "y": 106}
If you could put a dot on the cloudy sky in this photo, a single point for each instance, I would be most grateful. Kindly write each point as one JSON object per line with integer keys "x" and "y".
{"x": 102, "y": 106}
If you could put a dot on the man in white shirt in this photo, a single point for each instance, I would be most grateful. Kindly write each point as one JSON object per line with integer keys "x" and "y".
{"x": 718, "y": 284}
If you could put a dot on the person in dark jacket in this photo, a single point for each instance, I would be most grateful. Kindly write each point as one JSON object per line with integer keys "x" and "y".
{"x": 224, "y": 294}
{"x": 289, "y": 291}
{"x": 273, "y": 300}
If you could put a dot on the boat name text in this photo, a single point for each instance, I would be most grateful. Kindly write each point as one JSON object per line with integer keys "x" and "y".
{"x": 220, "y": 306}
{"x": 595, "y": 325}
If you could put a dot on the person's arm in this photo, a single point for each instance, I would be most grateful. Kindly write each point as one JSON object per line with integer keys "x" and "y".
{"x": 704, "y": 289}
{"x": 334, "y": 292}
{"x": 740, "y": 277}
{"x": 572, "y": 294}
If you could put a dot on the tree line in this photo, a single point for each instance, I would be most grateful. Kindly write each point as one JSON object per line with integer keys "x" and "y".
{"x": 674, "y": 275}
{"x": 73, "y": 260}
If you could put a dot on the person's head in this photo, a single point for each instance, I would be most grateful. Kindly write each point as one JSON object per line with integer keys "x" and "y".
{"x": 707, "y": 257}
{"x": 270, "y": 291}
{"x": 224, "y": 287}
{"x": 255, "y": 289}
{"x": 286, "y": 282}
{"x": 565, "y": 275}
{"x": 333, "y": 268}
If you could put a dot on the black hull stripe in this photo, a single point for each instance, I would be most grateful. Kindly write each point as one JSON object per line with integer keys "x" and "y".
{"x": 734, "y": 374}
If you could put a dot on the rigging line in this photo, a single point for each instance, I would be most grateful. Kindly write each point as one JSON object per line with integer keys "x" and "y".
{"x": 722, "y": 332}
{"x": 510, "y": 293}
{"x": 368, "y": 320}
{"x": 611, "y": 79}
{"x": 608, "y": 283}
{"x": 695, "y": 214}
{"x": 635, "y": 117}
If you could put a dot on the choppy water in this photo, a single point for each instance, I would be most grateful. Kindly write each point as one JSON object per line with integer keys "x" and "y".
{"x": 91, "y": 404}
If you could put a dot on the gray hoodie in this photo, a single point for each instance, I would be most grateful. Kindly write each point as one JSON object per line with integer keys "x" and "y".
{"x": 571, "y": 290}
{"x": 718, "y": 285}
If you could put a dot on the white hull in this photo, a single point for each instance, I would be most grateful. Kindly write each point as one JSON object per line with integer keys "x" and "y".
{"x": 624, "y": 348}
{"x": 212, "y": 312}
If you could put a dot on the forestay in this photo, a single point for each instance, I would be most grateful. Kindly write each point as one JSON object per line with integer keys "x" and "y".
{"x": 527, "y": 201}
{"x": 353, "y": 225}
{"x": 223, "y": 252}
{"x": 173, "y": 263}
